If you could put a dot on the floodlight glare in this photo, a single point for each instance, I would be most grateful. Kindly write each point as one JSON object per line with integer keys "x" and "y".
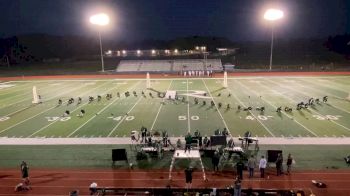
{"x": 176, "y": 51}
{"x": 273, "y": 14}
{"x": 124, "y": 52}
{"x": 138, "y": 51}
{"x": 153, "y": 51}
{"x": 99, "y": 19}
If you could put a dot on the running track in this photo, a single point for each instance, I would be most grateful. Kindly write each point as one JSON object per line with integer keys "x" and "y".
{"x": 61, "y": 181}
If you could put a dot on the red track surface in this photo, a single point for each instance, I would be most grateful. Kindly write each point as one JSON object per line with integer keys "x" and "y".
{"x": 60, "y": 181}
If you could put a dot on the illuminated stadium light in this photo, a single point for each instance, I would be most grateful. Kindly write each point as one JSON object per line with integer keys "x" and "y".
{"x": 153, "y": 52}
{"x": 167, "y": 51}
{"x": 124, "y": 52}
{"x": 99, "y": 19}
{"x": 197, "y": 47}
{"x": 176, "y": 51}
{"x": 273, "y": 14}
{"x": 138, "y": 51}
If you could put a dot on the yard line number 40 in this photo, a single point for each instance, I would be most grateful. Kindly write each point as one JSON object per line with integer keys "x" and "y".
{"x": 260, "y": 117}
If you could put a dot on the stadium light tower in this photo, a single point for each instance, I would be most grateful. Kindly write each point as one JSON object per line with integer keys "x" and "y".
{"x": 100, "y": 19}
{"x": 272, "y": 15}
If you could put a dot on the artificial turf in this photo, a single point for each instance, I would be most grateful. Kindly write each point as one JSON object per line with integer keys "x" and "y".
{"x": 120, "y": 115}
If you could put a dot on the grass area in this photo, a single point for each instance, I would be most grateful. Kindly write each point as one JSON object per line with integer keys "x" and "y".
{"x": 118, "y": 116}
{"x": 99, "y": 156}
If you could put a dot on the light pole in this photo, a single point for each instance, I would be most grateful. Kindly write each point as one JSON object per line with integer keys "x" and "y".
{"x": 272, "y": 15}
{"x": 100, "y": 20}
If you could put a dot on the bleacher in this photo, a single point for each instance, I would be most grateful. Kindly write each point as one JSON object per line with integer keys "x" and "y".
{"x": 169, "y": 65}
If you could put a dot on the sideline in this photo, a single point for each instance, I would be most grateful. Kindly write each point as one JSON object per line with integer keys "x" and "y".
{"x": 127, "y": 140}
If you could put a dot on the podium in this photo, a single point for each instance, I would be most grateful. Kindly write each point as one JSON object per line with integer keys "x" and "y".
{"x": 181, "y": 154}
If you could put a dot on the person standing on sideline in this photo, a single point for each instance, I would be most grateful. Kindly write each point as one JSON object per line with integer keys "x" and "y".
{"x": 289, "y": 163}
{"x": 188, "y": 175}
{"x": 279, "y": 162}
{"x": 240, "y": 167}
{"x": 215, "y": 161}
{"x": 262, "y": 166}
{"x": 24, "y": 171}
{"x": 251, "y": 166}
{"x": 188, "y": 140}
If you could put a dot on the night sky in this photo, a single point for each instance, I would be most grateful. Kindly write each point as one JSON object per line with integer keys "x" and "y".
{"x": 238, "y": 20}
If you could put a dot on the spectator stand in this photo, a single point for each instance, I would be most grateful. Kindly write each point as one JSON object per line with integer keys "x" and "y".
{"x": 181, "y": 154}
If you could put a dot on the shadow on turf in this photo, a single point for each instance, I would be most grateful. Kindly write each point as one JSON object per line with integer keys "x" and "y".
{"x": 217, "y": 90}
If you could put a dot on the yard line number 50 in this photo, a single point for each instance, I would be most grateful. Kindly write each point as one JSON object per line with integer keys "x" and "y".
{"x": 192, "y": 117}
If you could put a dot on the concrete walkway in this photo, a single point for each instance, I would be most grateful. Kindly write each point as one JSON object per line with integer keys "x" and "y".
{"x": 127, "y": 140}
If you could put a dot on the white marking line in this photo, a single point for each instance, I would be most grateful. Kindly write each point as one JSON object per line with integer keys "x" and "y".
{"x": 124, "y": 117}
{"x": 162, "y": 79}
{"x": 71, "y": 112}
{"x": 313, "y": 133}
{"x": 217, "y": 109}
{"x": 103, "y": 109}
{"x": 314, "y": 111}
{"x": 188, "y": 109}
{"x": 161, "y": 105}
{"x": 38, "y": 113}
{"x": 330, "y": 86}
{"x": 267, "y": 129}
{"x": 23, "y": 105}
{"x": 30, "y": 97}
{"x": 324, "y": 92}
{"x": 17, "y": 87}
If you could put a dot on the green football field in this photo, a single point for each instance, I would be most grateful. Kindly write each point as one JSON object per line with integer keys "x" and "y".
{"x": 118, "y": 116}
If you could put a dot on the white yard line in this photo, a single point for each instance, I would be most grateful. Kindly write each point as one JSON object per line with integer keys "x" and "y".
{"x": 314, "y": 111}
{"x": 160, "y": 107}
{"x": 325, "y": 93}
{"x": 38, "y": 113}
{"x": 27, "y": 93}
{"x": 103, "y": 109}
{"x": 14, "y": 89}
{"x": 124, "y": 117}
{"x": 267, "y": 129}
{"x": 326, "y": 84}
{"x": 81, "y": 105}
{"x": 7, "y": 105}
{"x": 199, "y": 78}
{"x": 217, "y": 109}
{"x": 313, "y": 133}
{"x": 188, "y": 109}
